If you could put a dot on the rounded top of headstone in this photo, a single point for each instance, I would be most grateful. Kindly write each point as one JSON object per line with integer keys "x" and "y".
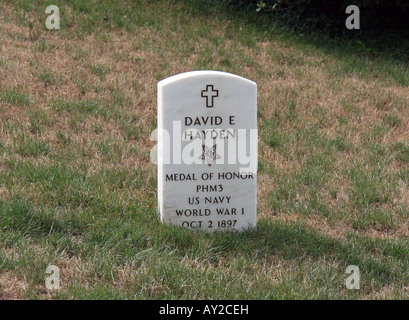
{"x": 202, "y": 73}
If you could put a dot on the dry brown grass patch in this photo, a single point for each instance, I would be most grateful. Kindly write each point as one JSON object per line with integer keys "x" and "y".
{"x": 11, "y": 286}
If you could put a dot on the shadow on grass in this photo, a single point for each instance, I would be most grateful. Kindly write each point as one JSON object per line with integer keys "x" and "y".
{"x": 373, "y": 49}
{"x": 380, "y": 44}
{"x": 384, "y": 261}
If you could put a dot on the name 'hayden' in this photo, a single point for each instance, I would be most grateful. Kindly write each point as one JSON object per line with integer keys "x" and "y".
{"x": 209, "y": 133}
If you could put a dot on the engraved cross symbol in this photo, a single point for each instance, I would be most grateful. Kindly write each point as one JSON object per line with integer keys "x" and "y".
{"x": 210, "y": 94}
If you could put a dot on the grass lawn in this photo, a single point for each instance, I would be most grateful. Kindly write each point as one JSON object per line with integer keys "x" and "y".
{"x": 78, "y": 190}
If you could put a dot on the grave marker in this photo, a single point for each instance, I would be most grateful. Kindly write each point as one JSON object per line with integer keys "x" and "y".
{"x": 207, "y": 151}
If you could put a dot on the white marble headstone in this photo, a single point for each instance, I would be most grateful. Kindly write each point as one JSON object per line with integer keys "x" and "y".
{"x": 207, "y": 151}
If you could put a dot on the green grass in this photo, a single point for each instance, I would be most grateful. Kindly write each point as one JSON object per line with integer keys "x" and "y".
{"x": 77, "y": 189}
{"x": 14, "y": 97}
{"x": 49, "y": 78}
{"x": 32, "y": 148}
{"x": 100, "y": 70}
